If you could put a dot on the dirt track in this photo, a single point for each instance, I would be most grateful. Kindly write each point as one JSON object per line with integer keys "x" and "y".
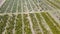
{"x": 1, "y": 1}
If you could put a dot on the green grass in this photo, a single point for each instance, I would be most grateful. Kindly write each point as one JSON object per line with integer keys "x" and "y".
{"x": 57, "y": 1}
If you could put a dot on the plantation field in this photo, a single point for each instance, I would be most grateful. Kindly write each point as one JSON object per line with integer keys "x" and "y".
{"x": 30, "y": 17}
{"x": 32, "y": 23}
